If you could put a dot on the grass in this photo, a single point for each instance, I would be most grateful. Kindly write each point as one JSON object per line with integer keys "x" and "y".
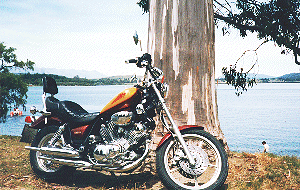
{"x": 263, "y": 171}
{"x": 246, "y": 171}
{"x": 14, "y": 163}
{"x": 16, "y": 173}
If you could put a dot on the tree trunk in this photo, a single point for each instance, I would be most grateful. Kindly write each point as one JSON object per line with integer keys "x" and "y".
{"x": 181, "y": 42}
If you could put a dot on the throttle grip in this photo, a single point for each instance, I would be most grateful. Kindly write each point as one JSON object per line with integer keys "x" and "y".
{"x": 131, "y": 61}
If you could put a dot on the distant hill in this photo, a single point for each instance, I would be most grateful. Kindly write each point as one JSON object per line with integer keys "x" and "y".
{"x": 70, "y": 73}
{"x": 290, "y": 77}
{"x": 286, "y": 77}
{"x": 259, "y": 76}
{"x": 36, "y": 80}
{"x": 125, "y": 77}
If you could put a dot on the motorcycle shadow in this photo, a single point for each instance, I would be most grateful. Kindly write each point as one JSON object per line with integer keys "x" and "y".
{"x": 94, "y": 179}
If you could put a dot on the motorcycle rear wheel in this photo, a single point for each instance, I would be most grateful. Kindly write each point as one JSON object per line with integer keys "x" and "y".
{"x": 210, "y": 171}
{"x": 42, "y": 168}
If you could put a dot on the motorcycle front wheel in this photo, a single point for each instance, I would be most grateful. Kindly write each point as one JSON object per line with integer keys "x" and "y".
{"x": 210, "y": 170}
{"x": 45, "y": 169}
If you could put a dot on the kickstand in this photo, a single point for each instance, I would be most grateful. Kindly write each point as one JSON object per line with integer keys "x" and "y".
{"x": 116, "y": 178}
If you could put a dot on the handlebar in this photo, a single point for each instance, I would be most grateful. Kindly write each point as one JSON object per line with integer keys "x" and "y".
{"x": 145, "y": 61}
{"x": 131, "y": 61}
{"x": 140, "y": 60}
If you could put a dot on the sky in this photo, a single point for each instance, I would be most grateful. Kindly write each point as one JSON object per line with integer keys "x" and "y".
{"x": 96, "y": 35}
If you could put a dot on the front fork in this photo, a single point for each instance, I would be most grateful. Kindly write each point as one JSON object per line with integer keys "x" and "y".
{"x": 174, "y": 128}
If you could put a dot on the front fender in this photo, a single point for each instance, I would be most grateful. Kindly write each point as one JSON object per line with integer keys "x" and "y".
{"x": 181, "y": 128}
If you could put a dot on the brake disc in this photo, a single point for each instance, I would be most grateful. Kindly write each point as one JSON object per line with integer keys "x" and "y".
{"x": 201, "y": 163}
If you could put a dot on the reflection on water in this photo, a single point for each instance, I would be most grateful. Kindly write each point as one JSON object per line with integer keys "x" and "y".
{"x": 267, "y": 112}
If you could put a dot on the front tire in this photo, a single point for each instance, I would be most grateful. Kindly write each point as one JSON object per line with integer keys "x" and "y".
{"x": 210, "y": 171}
{"x": 46, "y": 169}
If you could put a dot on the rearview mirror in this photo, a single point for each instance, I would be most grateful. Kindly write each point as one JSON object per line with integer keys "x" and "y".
{"x": 136, "y": 38}
{"x": 33, "y": 110}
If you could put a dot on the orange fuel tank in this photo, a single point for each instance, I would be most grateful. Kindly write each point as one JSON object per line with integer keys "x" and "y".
{"x": 126, "y": 99}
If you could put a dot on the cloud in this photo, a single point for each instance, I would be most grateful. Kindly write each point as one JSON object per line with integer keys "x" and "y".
{"x": 91, "y": 35}
{"x": 97, "y": 35}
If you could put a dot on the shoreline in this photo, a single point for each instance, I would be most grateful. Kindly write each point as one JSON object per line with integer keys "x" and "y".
{"x": 217, "y": 82}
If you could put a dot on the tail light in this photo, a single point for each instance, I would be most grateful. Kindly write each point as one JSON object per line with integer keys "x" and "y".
{"x": 28, "y": 119}
{"x": 31, "y": 119}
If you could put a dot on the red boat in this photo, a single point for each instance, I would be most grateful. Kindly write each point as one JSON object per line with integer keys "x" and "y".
{"x": 16, "y": 112}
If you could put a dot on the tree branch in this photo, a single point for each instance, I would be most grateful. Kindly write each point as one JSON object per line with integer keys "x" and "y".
{"x": 236, "y": 24}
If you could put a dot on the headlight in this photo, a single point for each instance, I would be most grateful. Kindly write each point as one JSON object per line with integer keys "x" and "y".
{"x": 157, "y": 73}
{"x": 164, "y": 90}
{"x": 159, "y": 76}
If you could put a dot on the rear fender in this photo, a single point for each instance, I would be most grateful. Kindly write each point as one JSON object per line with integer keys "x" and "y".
{"x": 41, "y": 122}
{"x": 181, "y": 128}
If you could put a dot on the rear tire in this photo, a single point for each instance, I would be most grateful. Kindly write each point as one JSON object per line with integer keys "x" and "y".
{"x": 211, "y": 167}
{"x": 46, "y": 169}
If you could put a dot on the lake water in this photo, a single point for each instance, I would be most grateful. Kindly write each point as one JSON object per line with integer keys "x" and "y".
{"x": 269, "y": 112}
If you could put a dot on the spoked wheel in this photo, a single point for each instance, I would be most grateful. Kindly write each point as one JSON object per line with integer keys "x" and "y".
{"x": 46, "y": 169}
{"x": 211, "y": 167}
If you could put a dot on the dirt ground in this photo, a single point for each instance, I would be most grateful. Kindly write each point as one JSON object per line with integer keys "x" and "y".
{"x": 246, "y": 171}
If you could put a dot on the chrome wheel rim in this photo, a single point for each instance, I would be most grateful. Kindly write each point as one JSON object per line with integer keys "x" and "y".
{"x": 46, "y": 165}
{"x": 208, "y": 163}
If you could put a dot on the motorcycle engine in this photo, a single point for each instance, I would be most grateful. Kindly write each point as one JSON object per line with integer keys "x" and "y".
{"x": 123, "y": 140}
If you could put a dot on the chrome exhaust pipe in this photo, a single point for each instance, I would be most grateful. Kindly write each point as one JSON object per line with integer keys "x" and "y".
{"x": 84, "y": 164}
{"x": 55, "y": 151}
{"x": 72, "y": 163}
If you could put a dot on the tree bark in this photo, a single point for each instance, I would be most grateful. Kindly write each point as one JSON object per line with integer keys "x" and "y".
{"x": 181, "y": 42}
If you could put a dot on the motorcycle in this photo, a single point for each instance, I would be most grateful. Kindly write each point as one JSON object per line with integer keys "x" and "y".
{"x": 117, "y": 139}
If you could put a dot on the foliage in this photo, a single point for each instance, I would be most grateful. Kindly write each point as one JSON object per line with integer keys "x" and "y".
{"x": 144, "y": 4}
{"x": 12, "y": 88}
{"x": 13, "y": 91}
{"x": 9, "y": 60}
{"x": 276, "y": 20}
{"x": 239, "y": 80}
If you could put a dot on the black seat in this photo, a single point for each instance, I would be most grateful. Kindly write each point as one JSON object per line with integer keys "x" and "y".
{"x": 49, "y": 85}
{"x": 67, "y": 111}
{"x": 70, "y": 112}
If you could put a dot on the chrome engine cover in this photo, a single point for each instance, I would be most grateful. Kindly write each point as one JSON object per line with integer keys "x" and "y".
{"x": 114, "y": 151}
{"x": 103, "y": 153}
{"x": 110, "y": 152}
{"x": 122, "y": 118}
